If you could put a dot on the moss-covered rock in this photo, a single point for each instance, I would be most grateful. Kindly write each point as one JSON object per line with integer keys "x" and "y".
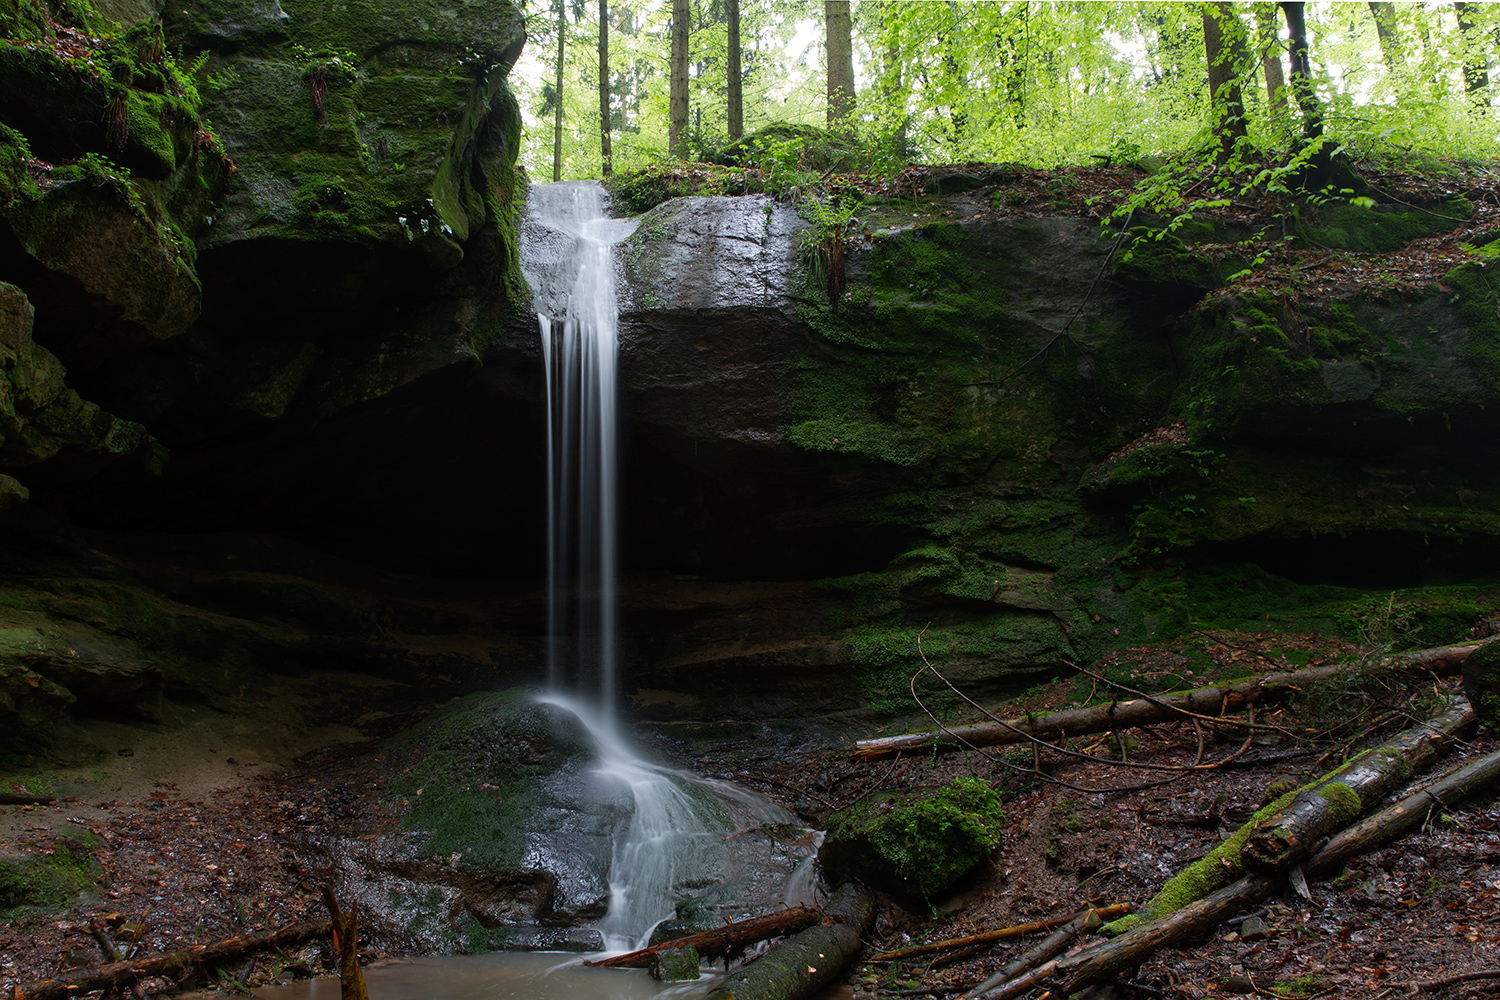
{"x": 916, "y": 845}
{"x": 1482, "y": 683}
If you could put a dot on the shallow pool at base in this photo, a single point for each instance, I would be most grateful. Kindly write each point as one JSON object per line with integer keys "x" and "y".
{"x": 499, "y": 975}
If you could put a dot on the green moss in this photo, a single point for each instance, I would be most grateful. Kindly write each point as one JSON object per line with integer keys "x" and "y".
{"x": 1158, "y": 259}
{"x": 915, "y": 845}
{"x": 51, "y": 880}
{"x": 1378, "y": 229}
{"x": 1342, "y": 799}
{"x": 475, "y": 768}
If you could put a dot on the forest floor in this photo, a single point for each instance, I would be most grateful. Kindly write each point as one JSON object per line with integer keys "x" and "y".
{"x": 192, "y": 838}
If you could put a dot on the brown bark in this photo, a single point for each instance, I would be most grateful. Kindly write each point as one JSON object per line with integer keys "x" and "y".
{"x": 805, "y": 963}
{"x": 721, "y": 940}
{"x": 840, "y": 54}
{"x": 12, "y": 799}
{"x": 1198, "y": 918}
{"x": 677, "y": 128}
{"x": 346, "y": 943}
{"x": 1270, "y": 59}
{"x": 1211, "y": 701}
{"x": 119, "y": 974}
{"x": 1000, "y": 934}
{"x": 736, "y": 97}
{"x": 1227, "y": 51}
{"x": 606, "y": 155}
{"x": 1390, "y": 38}
{"x": 1289, "y": 833}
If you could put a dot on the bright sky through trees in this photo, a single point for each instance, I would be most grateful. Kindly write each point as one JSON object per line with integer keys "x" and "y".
{"x": 1037, "y": 82}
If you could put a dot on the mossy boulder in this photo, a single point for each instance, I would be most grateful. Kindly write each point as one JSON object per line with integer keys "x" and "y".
{"x": 913, "y": 844}
{"x": 1482, "y": 683}
{"x": 504, "y": 828}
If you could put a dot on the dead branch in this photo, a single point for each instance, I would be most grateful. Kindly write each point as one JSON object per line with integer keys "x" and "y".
{"x": 1000, "y": 934}
{"x": 1209, "y": 702}
{"x": 721, "y": 940}
{"x": 1130, "y": 949}
{"x": 1045, "y": 950}
{"x": 1467, "y": 977}
{"x": 346, "y": 943}
{"x": 175, "y": 964}
{"x": 13, "y": 799}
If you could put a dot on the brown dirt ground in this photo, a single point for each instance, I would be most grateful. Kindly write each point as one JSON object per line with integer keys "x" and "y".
{"x": 198, "y": 826}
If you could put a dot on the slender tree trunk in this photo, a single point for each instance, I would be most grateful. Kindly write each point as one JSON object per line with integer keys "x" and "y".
{"x": 1301, "y": 72}
{"x": 677, "y": 131}
{"x": 1270, "y": 59}
{"x": 1476, "y": 57}
{"x": 736, "y": 89}
{"x": 1228, "y": 53}
{"x": 840, "y": 50}
{"x": 606, "y": 157}
{"x": 562, "y": 39}
{"x": 1390, "y": 37}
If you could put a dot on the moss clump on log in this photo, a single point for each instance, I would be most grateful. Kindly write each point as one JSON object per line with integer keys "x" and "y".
{"x": 919, "y": 845}
{"x": 1482, "y": 683}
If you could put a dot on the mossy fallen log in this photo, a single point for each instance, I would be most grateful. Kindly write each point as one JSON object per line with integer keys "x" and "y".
{"x": 1289, "y": 827}
{"x": 806, "y": 962}
{"x": 726, "y": 940}
{"x": 1213, "y": 701}
{"x": 1094, "y": 965}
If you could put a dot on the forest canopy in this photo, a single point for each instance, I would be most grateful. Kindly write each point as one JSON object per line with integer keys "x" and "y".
{"x": 1041, "y": 83}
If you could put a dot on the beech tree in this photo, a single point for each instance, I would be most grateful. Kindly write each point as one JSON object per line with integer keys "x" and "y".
{"x": 1227, "y": 50}
{"x": 557, "y": 140}
{"x": 840, "y": 50}
{"x": 735, "y": 98}
{"x": 682, "y": 14}
{"x": 605, "y": 116}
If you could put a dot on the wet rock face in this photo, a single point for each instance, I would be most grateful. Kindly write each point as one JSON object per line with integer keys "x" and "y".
{"x": 505, "y": 832}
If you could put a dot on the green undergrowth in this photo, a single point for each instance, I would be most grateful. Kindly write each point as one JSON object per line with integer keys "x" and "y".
{"x": 47, "y": 881}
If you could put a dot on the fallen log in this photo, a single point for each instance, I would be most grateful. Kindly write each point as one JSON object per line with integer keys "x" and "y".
{"x": 1048, "y": 948}
{"x": 175, "y": 964}
{"x": 1342, "y": 797}
{"x": 1379, "y": 771}
{"x": 15, "y": 799}
{"x": 811, "y": 959}
{"x": 999, "y": 934}
{"x": 724, "y": 940}
{"x": 1098, "y": 963}
{"x": 1214, "y": 701}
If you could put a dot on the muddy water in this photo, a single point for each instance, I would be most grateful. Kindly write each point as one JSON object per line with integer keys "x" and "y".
{"x": 499, "y": 975}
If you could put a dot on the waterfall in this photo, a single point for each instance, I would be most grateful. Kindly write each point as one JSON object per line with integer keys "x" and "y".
{"x": 572, "y": 277}
{"x": 689, "y": 842}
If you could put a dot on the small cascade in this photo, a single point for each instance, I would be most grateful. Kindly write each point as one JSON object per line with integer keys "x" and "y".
{"x": 690, "y": 847}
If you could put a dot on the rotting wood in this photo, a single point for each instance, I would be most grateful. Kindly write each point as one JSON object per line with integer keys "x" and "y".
{"x": 1000, "y": 933}
{"x": 1214, "y": 702}
{"x": 1048, "y": 948}
{"x": 724, "y": 940}
{"x": 1339, "y": 799}
{"x": 345, "y": 929}
{"x": 809, "y": 960}
{"x": 16, "y": 799}
{"x": 1093, "y": 965}
{"x": 174, "y": 964}
{"x": 1228, "y": 862}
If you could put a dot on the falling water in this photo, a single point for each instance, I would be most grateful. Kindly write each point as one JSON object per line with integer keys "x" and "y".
{"x": 687, "y": 838}
{"x": 573, "y": 281}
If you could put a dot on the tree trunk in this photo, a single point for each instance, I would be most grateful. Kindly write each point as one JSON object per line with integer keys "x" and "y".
{"x": 736, "y": 86}
{"x": 1390, "y": 36}
{"x": 1212, "y": 701}
{"x": 1476, "y": 56}
{"x": 177, "y": 963}
{"x": 839, "y": 44}
{"x": 999, "y": 934}
{"x": 804, "y": 964}
{"x": 606, "y": 156}
{"x": 720, "y": 940}
{"x": 346, "y": 943}
{"x": 1270, "y": 59}
{"x": 1052, "y": 945}
{"x": 562, "y": 36}
{"x": 677, "y": 129}
{"x": 1282, "y": 833}
{"x": 1321, "y": 164}
{"x": 1228, "y": 54}
{"x": 1196, "y": 919}
{"x": 1289, "y": 834}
